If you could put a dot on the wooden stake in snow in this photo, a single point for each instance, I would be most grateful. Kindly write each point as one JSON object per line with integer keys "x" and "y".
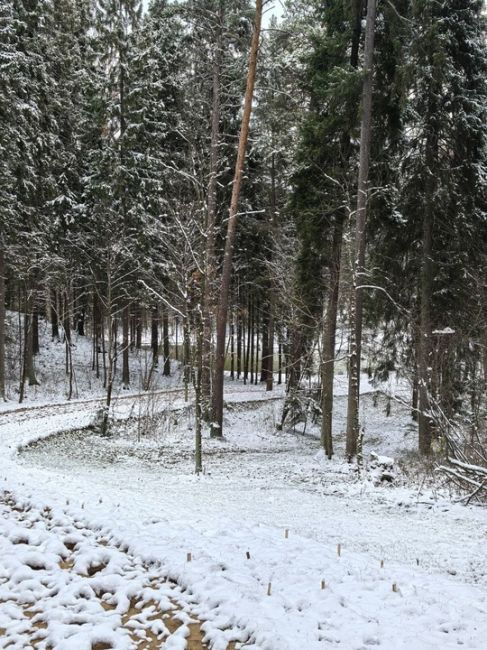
{"x": 269, "y": 589}
{"x": 247, "y": 555}
{"x": 323, "y": 585}
{"x": 382, "y": 564}
{"x": 188, "y": 557}
{"x": 286, "y": 533}
{"x": 339, "y": 550}
{"x": 394, "y": 587}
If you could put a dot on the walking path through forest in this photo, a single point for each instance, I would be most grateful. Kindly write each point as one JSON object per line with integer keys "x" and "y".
{"x": 215, "y": 547}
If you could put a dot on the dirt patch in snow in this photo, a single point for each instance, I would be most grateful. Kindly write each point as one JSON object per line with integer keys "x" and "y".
{"x": 63, "y": 586}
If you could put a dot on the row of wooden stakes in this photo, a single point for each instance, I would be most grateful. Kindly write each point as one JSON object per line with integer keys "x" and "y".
{"x": 395, "y": 588}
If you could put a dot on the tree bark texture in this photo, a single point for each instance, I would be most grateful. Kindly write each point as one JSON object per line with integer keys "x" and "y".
{"x": 221, "y": 324}
{"x": 356, "y": 307}
{"x": 329, "y": 338}
{"x": 210, "y": 262}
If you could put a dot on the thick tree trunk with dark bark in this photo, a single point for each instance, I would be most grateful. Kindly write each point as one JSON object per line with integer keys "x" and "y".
{"x": 239, "y": 341}
{"x": 210, "y": 261}
{"x": 154, "y": 341}
{"x": 29, "y": 368}
{"x": 356, "y": 306}
{"x": 329, "y": 338}
{"x": 54, "y": 316}
{"x": 265, "y": 346}
{"x": 125, "y": 347}
{"x": 249, "y": 334}
{"x": 252, "y": 342}
{"x": 166, "y": 344}
{"x": 232, "y": 347}
{"x": 269, "y": 383}
{"x": 257, "y": 338}
{"x": 35, "y": 328}
{"x": 138, "y": 327}
{"x": 425, "y": 329}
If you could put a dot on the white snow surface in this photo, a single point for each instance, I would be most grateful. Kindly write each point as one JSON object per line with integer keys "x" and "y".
{"x": 257, "y": 485}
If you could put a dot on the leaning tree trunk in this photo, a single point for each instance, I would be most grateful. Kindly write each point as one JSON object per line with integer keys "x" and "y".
{"x": 221, "y": 323}
{"x": 358, "y": 264}
{"x": 2, "y": 324}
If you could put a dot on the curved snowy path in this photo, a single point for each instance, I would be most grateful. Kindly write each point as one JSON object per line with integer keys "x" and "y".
{"x": 232, "y": 521}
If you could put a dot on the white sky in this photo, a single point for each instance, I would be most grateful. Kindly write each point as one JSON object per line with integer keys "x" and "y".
{"x": 272, "y": 7}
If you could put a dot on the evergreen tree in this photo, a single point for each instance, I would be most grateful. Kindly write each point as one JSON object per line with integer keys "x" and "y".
{"x": 443, "y": 171}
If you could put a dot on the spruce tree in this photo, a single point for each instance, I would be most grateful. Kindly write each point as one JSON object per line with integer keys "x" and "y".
{"x": 444, "y": 192}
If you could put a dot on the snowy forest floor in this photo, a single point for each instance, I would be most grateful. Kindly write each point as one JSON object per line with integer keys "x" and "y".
{"x": 136, "y": 491}
{"x": 64, "y": 586}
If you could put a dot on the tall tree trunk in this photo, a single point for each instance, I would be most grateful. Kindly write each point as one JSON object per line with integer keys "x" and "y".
{"x": 252, "y": 341}
{"x": 249, "y": 335}
{"x": 257, "y": 338}
{"x": 269, "y": 384}
{"x": 279, "y": 363}
{"x": 176, "y": 325}
{"x": 2, "y": 324}
{"x": 329, "y": 333}
{"x": 265, "y": 346}
{"x": 415, "y": 389}
{"x": 68, "y": 351}
{"x": 29, "y": 368}
{"x": 232, "y": 346}
{"x": 210, "y": 262}
{"x": 329, "y": 338}
{"x": 293, "y": 371}
{"x": 269, "y": 365}
{"x": 356, "y": 306}
{"x": 125, "y": 347}
{"x": 97, "y": 333}
{"x": 154, "y": 341}
{"x": 81, "y": 321}
{"x": 239, "y": 340}
{"x": 132, "y": 331}
{"x": 425, "y": 330}
{"x": 166, "y": 344}
{"x": 35, "y": 327}
{"x": 221, "y": 323}
{"x": 186, "y": 358}
{"x": 138, "y": 327}
{"x": 54, "y": 316}
{"x": 67, "y": 331}
{"x": 198, "y": 412}
{"x": 110, "y": 354}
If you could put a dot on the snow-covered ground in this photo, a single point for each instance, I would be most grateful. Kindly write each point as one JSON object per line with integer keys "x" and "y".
{"x": 248, "y": 579}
